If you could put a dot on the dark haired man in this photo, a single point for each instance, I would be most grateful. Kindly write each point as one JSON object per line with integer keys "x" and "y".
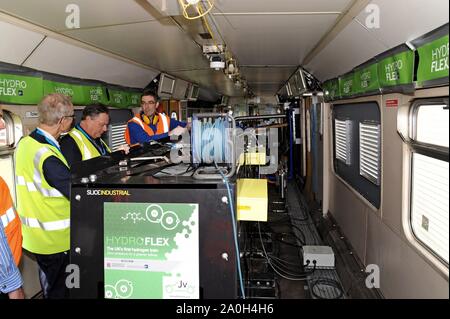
{"x": 84, "y": 141}
{"x": 149, "y": 125}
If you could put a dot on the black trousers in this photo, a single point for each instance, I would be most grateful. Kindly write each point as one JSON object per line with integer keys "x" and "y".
{"x": 52, "y": 274}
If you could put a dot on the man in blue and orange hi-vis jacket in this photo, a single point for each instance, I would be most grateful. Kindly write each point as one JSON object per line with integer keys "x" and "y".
{"x": 149, "y": 125}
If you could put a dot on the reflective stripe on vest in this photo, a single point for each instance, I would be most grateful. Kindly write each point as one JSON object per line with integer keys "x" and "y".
{"x": 36, "y": 185}
{"x": 138, "y": 121}
{"x": 87, "y": 147}
{"x": 162, "y": 126}
{"x": 86, "y": 153}
{"x": 165, "y": 122}
{"x": 48, "y": 226}
{"x": 8, "y": 217}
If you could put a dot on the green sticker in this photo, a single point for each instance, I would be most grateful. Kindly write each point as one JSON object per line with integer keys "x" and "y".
{"x": 19, "y": 89}
{"x": 151, "y": 251}
{"x": 397, "y": 69}
{"x": 433, "y": 60}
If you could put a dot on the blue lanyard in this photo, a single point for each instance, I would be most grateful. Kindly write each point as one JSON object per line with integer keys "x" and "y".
{"x": 49, "y": 141}
{"x": 101, "y": 148}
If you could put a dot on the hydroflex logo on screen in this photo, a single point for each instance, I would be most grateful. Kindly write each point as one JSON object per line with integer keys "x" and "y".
{"x": 151, "y": 251}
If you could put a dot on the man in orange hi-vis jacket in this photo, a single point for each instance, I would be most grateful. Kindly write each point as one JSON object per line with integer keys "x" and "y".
{"x": 10, "y": 221}
{"x": 149, "y": 125}
{"x": 9, "y": 217}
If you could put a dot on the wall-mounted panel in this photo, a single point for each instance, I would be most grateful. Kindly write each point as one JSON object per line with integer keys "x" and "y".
{"x": 65, "y": 59}
{"x": 16, "y": 43}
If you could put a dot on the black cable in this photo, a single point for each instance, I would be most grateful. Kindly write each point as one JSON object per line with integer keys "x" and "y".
{"x": 289, "y": 243}
{"x": 301, "y": 240}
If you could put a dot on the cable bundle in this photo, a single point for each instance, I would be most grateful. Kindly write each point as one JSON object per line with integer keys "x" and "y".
{"x": 211, "y": 141}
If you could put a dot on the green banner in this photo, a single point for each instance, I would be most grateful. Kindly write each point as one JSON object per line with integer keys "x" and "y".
{"x": 397, "y": 69}
{"x": 76, "y": 92}
{"x": 331, "y": 89}
{"x": 346, "y": 83}
{"x": 118, "y": 98}
{"x": 80, "y": 94}
{"x": 96, "y": 94}
{"x": 366, "y": 79}
{"x": 151, "y": 251}
{"x": 20, "y": 89}
{"x": 433, "y": 60}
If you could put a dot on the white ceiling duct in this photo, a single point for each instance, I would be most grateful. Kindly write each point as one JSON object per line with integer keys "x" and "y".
{"x": 166, "y": 7}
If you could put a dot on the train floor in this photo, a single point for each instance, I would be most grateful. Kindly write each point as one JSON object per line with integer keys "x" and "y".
{"x": 272, "y": 258}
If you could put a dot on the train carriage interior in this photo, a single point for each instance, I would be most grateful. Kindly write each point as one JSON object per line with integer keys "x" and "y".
{"x": 314, "y": 163}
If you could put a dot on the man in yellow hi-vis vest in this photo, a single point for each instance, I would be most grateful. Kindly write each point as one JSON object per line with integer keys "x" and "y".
{"x": 84, "y": 141}
{"x": 43, "y": 188}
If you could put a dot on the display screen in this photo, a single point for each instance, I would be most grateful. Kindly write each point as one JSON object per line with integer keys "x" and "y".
{"x": 195, "y": 90}
{"x": 151, "y": 251}
{"x": 166, "y": 84}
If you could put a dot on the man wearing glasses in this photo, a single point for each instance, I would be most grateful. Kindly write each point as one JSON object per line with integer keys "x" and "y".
{"x": 43, "y": 187}
{"x": 149, "y": 125}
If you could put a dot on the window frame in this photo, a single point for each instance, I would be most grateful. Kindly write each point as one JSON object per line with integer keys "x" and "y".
{"x": 14, "y": 131}
{"x": 425, "y": 149}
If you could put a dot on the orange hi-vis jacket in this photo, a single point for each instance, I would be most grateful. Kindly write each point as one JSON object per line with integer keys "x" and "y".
{"x": 162, "y": 125}
{"x": 11, "y": 222}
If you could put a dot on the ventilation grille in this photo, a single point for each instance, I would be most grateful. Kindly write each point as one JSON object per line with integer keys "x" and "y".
{"x": 369, "y": 152}
{"x": 343, "y": 138}
{"x": 116, "y": 135}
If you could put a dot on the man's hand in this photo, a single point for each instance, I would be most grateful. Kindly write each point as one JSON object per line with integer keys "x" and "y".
{"x": 177, "y": 131}
{"x": 17, "y": 294}
{"x": 125, "y": 148}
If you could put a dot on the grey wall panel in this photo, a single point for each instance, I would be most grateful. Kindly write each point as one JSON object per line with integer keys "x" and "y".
{"x": 403, "y": 273}
{"x": 17, "y": 43}
{"x": 62, "y": 58}
{"x": 351, "y": 215}
{"x": 392, "y": 168}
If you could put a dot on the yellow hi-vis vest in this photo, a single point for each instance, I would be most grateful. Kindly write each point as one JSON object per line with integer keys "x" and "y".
{"x": 43, "y": 210}
{"x": 87, "y": 149}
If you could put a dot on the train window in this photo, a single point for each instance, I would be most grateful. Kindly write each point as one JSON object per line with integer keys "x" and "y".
{"x": 7, "y": 173}
{"x": 432, "y": 125}
{"x": 3, "y": 137}
{"x": 11, "y": 131}
{"x": 429, "y": 215}
{"x": 10, "y": 127}
{"x": 369, "y": 151}
{"x": 343, "y": 138}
